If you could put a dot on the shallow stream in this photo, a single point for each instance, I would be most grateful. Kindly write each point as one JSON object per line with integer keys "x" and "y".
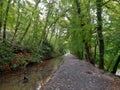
{"x": 37, "y": 75}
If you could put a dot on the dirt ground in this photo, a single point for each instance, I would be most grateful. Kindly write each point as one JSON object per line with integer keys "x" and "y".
{"x": 75, "y": 74}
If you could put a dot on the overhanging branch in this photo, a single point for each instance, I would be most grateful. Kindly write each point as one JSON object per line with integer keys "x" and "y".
{"x": 106, "y": 2}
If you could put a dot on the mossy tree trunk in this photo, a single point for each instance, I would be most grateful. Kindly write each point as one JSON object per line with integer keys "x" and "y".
{"x": 100, "y": 35}
{"x": 87, "y": 48}
{"x": 5, "y": 20}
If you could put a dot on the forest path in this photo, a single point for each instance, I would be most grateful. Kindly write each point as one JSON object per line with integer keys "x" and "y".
{"x": 75, "y": 74}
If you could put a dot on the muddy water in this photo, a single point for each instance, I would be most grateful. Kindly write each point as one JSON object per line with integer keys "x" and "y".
{"x": 37, "y": 75}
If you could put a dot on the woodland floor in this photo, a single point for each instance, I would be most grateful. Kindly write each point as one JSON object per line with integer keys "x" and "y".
{"x": 75, "y": 74}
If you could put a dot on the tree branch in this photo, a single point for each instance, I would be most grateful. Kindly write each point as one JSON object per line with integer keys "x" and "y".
{"x": 106, "y": 2}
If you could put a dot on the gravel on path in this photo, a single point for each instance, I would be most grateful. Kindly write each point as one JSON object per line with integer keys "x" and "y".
{"x": 75, "y": 74}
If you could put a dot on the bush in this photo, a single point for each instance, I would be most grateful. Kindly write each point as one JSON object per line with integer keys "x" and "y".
{"x": 47, "y": 48}
{"x": 6, "y": 53}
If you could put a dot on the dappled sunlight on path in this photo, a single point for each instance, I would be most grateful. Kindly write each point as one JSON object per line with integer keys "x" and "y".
{"x": 69, "y": 55}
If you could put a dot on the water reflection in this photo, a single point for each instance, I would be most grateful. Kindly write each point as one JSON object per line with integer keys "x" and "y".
{"x": 118, "y": 72}
{"x": 37, "y": 76}
{"x": 39, "y": 86}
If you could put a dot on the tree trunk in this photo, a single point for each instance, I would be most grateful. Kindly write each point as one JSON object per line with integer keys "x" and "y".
{"x": 26, "y": 30}
{"x": 88, "y": 53}
{"x": 1, "y": 16}
{"x": 57, "y": 37}
{"x": 43, "y": 36}
{"x": 18, "y": 21}
{"x": 100, "y": 35}
{"x": 29, "y": 24}
{"x": 52, "y": 33}
{"x": 95, "y": 51}
{"x": 5, "y": 20}
{"x": 116, "y": 65}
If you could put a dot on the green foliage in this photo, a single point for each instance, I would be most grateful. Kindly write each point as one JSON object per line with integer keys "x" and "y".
{"x": 46, "y": 48}
{"x": 61, "y": 27}
{"x": 36, "y": 55}
{"x": 36, "y": 58}
{"x": 6, "y": 53}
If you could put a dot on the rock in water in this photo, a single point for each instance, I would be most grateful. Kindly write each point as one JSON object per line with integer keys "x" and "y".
{"x": 25, "y": 80}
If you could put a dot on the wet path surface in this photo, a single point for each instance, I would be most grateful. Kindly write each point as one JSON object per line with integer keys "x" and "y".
{"x": 75, "y": 74}
{"x": 36, "y": 76}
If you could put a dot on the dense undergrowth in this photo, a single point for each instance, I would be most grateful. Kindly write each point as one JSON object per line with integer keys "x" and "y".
{"x": 14, "y": 56}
